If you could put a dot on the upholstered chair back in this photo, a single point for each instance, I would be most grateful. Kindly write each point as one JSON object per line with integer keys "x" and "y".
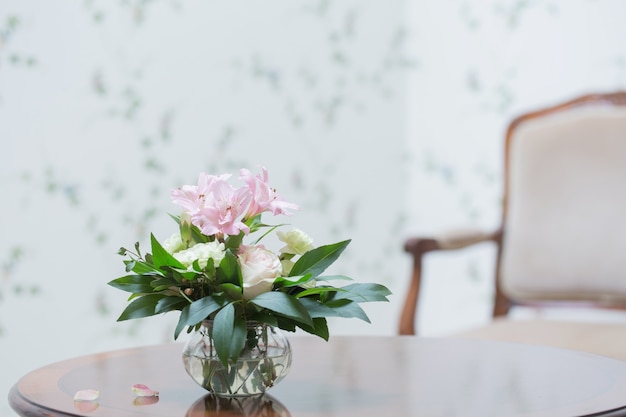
{"x": 564, "y": 220}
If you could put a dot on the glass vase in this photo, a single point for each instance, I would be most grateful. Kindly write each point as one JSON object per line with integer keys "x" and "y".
{"x": 256, "y": 406}
{"x": 263, "y": 362}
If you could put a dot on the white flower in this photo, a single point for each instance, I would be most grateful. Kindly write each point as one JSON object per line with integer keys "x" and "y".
{"x": 287, "y": 265}
{"x": 259, "y": 269}
{"x": 201, "y": 252}
{"x": 173, "y": 243}
{"x": 298, "y": 242}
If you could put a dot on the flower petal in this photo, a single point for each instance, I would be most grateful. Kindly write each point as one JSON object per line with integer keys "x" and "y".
{"x": 139, "y": 401}
{"x": 86, "y": 395}
{"x": 142, "y": 390}
{"x": 84, "y": 407}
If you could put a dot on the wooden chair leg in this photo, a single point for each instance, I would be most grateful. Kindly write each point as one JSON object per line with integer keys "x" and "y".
{"x": 407, "y": 317}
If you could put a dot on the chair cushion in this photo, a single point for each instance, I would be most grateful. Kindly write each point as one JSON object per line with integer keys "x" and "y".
{"x": 565, "y": 234}
{"x": 606, "y": 339}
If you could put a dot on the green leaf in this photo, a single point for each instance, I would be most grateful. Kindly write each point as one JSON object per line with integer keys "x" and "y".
{"x": 350, "y": 309}
{"x": 335, "y": 308}
{"x": 317, "y": 290}
{"x": 229, "y": 271}
{"x": 233, "y": 291}
{"x": 143, "y": 306}
{"x": 255, "y": 223}
{"x": 170, "y": 303}
{"x": 320, "y": 328}
{"x": 161, "y": 257}
{"x": 272, "y": 228}
{"x": 141, "y": 267}
{"x": 363, "y": 293}
{"x": 233, "y": 242}
{"x": 129, "y": 265}
{"x": 195, "y": 312}
{"x": 133, "y": 283}
{"x": 284, "y": 282}
{"x": 209, "y": 269}
{"x": 222, "y": 331}
{"x": 264, "y": 316}
{"x": 162, "y": 284}
{"x": 317, "y": 260}
{"x": 333, "y": 278}
{"x": 286, "y": 323}
{"x": 238, "y": 338}
{"x": 284, "y": 305}
{"x": 180, "y": 274}
{"x": 196, "y": 265}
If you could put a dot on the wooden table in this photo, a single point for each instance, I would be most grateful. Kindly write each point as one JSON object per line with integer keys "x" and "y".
{"x": 348, "y": 376}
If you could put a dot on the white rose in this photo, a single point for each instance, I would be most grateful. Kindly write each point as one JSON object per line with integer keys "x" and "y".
{"x": 298, "y": 242}
{"x": 259, "y": 269}
{"x": 201, "y": 252}
{"x": 173, "y": 243}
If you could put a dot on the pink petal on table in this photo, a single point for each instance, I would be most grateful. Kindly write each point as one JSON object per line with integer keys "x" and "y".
{"x": 86, "y": 395}
{"x": 145, "y": 400}
{"x": 142, "y": 390}
{"x": 86, "y": 406}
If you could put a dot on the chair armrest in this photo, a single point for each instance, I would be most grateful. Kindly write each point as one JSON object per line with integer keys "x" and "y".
{"x": 449, "y": 240}
{"x": 418, "y": 246}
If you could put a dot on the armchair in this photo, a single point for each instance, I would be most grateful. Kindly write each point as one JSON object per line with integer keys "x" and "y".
{"x": 562, "y": 239}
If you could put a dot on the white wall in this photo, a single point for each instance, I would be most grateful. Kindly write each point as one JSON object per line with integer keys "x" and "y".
{"x": 106, "y": 106}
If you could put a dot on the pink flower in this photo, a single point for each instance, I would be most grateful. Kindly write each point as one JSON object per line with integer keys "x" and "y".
{"x": 223, "y": 209}
{"x": 192, "y": 198}
{"x": 259, "y": 269}
{"x": 264, "y": 198}
{"x": 142, "y": 390}
{"x": 188, "y": 198}
{"x": 214, "y": 205}
{"x": 86, "y": 395}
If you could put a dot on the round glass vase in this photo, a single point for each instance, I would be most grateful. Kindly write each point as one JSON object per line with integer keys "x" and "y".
{"x": 263, "y": 362}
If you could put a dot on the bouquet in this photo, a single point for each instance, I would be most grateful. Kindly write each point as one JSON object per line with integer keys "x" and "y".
{"x": 208, "y": 270}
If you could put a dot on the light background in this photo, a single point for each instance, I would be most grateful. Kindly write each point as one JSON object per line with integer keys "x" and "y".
{"x": 380, "y": 119}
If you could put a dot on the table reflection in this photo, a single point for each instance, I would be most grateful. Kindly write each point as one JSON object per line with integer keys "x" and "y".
{"x": 257, "y": 406}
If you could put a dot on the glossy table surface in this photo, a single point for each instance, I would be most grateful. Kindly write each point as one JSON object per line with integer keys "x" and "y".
{"x": 347, "y": 376}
